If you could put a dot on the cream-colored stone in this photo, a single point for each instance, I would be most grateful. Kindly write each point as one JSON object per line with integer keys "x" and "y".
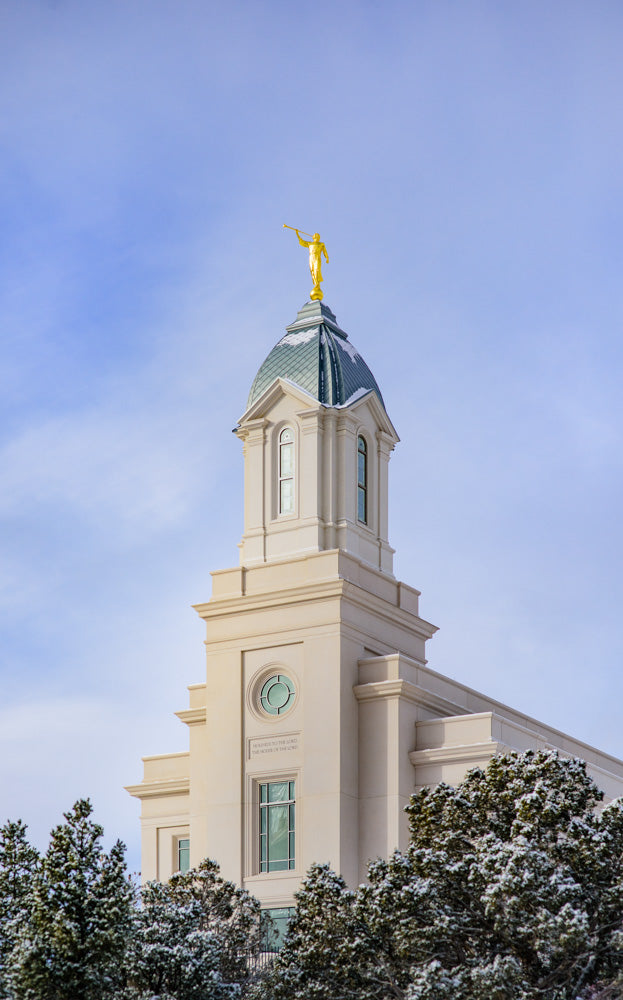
{"x": 325, "y": 514}
{"x": 314, "y": 599}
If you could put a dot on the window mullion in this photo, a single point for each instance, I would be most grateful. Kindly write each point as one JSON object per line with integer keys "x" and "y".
{"x": 277, "y": 826}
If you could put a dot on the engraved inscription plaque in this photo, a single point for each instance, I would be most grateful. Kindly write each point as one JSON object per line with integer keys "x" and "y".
{"x": 260, "y": 745}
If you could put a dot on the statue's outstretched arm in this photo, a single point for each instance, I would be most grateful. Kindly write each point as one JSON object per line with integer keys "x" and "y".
{"x": 303, "y": 242}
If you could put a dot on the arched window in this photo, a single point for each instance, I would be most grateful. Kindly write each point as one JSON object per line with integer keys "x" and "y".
{"x": 286, "y": 471}
{"x": 362, "y": 480}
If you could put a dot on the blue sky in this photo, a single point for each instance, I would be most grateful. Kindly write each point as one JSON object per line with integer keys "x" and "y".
{"x": 463, "y": 163}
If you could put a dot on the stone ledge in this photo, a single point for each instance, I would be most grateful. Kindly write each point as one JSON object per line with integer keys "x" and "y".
{"x": 452, "y": 754}
{"x": 379, "y": 690}
{"x": 193, "y": 716}
{"x": 156, "y": 789}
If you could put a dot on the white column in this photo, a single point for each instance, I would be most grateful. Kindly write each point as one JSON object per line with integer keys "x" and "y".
{"x": 310, "y": 464}
{"x": 385, "y": 446}
{"x": 329, "y": 478}
{"x": 253, "y": 435}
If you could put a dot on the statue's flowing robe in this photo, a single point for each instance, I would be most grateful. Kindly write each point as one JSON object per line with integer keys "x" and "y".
{"x": 315, "y": 261}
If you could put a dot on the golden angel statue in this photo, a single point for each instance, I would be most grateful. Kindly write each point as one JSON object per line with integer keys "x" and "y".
{"x": 316, "y": 250}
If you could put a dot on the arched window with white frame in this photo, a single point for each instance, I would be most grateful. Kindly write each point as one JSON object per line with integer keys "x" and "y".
{"x": 362, "y": 480}
{"x": 286, "y": 471}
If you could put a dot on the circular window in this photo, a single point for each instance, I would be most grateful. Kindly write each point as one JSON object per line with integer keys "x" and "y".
{"x": 277, "y": 694}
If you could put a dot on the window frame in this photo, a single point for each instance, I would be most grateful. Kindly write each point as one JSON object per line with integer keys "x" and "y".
{"x": 264, "y": 806}
{"x": 183, "y": 839}
{"x": 363, "y": 488}
{"x": 289, "y": 478}
{"x": 261, "y": 700}
{"x": 251, "y": 848}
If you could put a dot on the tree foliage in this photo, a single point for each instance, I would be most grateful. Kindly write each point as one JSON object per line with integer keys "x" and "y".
{"x": 72, "y": 945}
{"x": 73, "y": 928}
{"x": 18, "y": 865}
{"x": 228, "y": 912}
{"x": 512, "y": 887}
{"x": 171, "y": 956}
{"x": 193, "y": 938}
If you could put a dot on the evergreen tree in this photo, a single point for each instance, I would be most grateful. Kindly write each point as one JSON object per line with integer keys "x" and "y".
{"x": 18, "y": 865}
{"x": 172, "y": 955}
{"x": 195, "y": 937}
{"x": 511, "y": 889}
{"x": 73, "y": 946}
{"x": 227, "y": 911}
{"x": 322, "y": 957}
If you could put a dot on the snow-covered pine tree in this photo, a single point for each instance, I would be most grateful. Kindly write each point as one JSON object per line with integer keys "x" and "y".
{"x": 188, "y": 941}
{"x": 323, "y": 955}
{"x": 519, "y": 884}
{"x": 511, "y": 889}
{"x": 229, "y": 912}
{"x": 73, "y": 945}
{"x": 18, "y": 864}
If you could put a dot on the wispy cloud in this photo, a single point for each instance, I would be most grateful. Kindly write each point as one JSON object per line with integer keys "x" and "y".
{"x": 139, "y": 474}
{"x": 463, "y": 163}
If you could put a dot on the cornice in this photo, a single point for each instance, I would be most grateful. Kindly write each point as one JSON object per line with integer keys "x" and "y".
{"x": 383, "y": 690}
{"x": 340, "y": 588}
{"x": 252, "y": 430}
{"x": 226, "y": 606}
{"x": 400, "y": 688}
{"x": 385, "y": 609}
{"x": 193, "y": 716}
{"x": 458, "y": 754}
{"x": 160, "y": 788}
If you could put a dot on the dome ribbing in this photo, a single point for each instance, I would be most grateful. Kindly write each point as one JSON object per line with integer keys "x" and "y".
{"x": 318, "y": 356}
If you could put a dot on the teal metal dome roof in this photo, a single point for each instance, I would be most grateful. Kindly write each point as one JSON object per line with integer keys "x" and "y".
{"x": 318, "y": 356}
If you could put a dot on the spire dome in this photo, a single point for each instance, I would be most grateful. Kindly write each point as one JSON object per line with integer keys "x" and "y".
{"x": 317, "y": 355}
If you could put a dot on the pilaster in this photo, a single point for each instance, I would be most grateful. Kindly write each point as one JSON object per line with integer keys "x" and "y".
{"x": 309, "y": 479}
{"x": 329, "y": 489}
{"x": 253, "y": 435}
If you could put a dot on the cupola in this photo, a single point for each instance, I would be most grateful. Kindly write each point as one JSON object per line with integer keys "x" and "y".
{"x": 317, "y": 441}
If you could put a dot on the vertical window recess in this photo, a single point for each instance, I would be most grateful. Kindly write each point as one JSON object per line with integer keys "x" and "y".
{"x": 362, "y": 480}
{"x": 183, "y": 854}
{"x": 276, "y": 826}
{"x": 286, "y": 471}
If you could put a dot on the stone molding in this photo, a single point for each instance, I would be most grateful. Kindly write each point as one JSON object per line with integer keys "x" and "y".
{"x": 159, "y": 788}
{"x": 458, "y": 754}
{"x": 380, "y": 690}
{"x": 193, "y": 716}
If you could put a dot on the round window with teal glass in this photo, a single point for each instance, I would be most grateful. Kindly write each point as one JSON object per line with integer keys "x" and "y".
{"x": 277, "y": 694}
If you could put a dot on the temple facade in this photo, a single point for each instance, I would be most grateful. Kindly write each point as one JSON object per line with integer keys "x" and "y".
{"x": 318, "y": 716}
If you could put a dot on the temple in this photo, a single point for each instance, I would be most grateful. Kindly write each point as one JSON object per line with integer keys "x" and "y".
{"x": 318, "y": 716}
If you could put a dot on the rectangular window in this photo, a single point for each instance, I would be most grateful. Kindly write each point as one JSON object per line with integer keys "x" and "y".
{"x": 276, "y": 826}
{"x": 286, "y": 471}
{"x": 183, "y": 854}
{"x": 362, "y": 481}
{"x": 274, "y": 926}
{"x": 287, "y": 460}
{"x": 286, "y": 501}
{"x": 362, "y": 514}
